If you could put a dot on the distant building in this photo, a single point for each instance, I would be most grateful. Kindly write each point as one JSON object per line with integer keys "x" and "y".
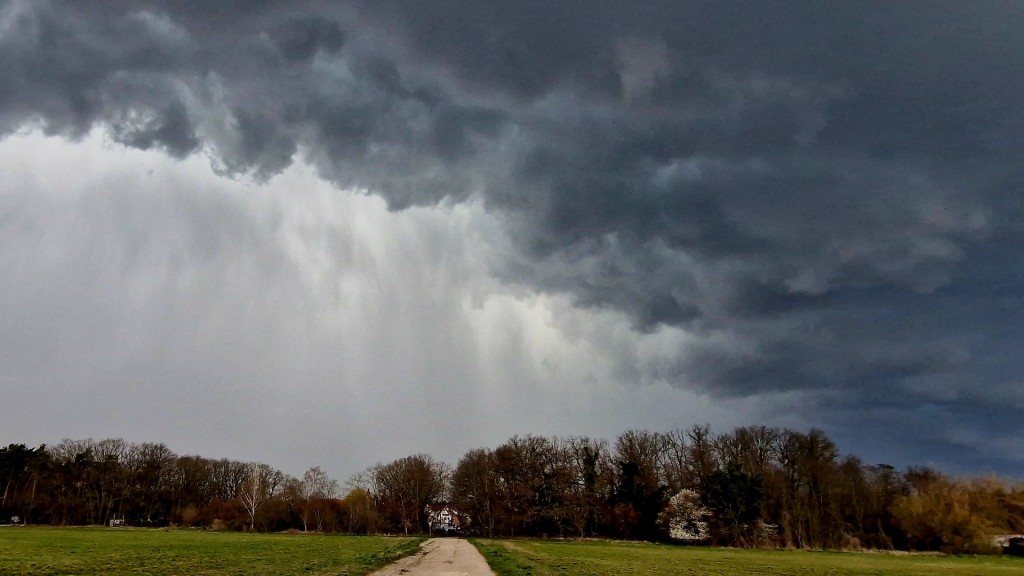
{"x": 1010, "y": 543}
{"x": 444, "y": 519}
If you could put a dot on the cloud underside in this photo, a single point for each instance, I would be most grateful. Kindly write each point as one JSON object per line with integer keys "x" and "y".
{"x": 816, "y": 207}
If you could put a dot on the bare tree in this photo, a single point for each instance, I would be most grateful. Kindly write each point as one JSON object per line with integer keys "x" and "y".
{"x": 475, "y": 488}
{"x": 147, "y": 467}
{"x": 593, "y": 475}
{"x": 226, "y": 477}
{"x": 315, "y": 488}
{"x": 702, "y": 457}
{"x": 535, "y": 478}
{"x": 405, "y": 487}
{"x": 259, "y": 486}
{"x": 640, "y": 487}
{"x": 360, "y": 503}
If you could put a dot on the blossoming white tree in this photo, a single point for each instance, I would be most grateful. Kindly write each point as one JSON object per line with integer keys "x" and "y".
{"x": 686, "y": 517}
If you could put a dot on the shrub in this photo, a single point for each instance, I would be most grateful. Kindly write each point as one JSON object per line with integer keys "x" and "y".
{"x": 685, "y": 518}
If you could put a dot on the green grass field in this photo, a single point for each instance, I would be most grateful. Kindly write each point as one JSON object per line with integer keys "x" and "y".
{"x": 603, "y": 558}
{"x": 53, "y": 551}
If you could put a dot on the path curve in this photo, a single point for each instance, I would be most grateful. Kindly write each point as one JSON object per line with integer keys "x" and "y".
{"x": 440, "y": 557}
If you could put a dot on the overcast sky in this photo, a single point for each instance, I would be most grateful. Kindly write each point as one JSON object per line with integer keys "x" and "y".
{"x": 323, "y": 233}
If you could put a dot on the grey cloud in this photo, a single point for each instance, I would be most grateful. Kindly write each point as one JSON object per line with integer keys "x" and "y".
{"x": 300, "y": 39}
{"x": 812, "y": 191}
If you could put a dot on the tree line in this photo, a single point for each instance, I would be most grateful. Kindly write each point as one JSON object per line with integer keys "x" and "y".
{"x": 754, "y": 486}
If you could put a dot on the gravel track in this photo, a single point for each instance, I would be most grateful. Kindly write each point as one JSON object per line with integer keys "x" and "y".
{"x": 440, "y": 557}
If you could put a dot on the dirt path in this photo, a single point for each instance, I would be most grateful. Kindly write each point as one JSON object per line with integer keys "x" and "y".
{"x": 440, "y": 557}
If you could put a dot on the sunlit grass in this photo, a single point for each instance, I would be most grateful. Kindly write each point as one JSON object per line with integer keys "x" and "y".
{"x": 53, "y": 551}
{"x": 607, "y": 558}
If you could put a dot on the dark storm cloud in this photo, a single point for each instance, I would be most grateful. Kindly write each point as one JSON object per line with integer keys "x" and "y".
{"x": 825, "y": 193}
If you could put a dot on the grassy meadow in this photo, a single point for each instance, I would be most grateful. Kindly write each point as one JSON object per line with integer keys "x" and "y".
{"x": 53, "y": 551}
{"x": 608, "y": 558}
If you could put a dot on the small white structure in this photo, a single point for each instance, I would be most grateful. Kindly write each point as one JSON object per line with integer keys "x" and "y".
{"x": 444, "y": 519}
{"x": 1003, "y": 540}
